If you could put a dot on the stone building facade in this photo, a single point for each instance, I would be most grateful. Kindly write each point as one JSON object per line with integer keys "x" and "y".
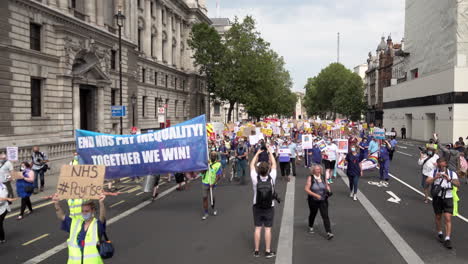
{"x": 59, "y": 68}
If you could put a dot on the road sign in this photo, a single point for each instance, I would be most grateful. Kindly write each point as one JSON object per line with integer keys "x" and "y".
{"x": 119, "y": 110}
{"x": 161, "y": 110}
{"x": 161, "y": 118}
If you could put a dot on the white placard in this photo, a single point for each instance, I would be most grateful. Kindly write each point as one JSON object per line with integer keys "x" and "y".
{"x": 12, "y": 153}
{"x": 307, "y": 142}
{"x": 161, "y": 119}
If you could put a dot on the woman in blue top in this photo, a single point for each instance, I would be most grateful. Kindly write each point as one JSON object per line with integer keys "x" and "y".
{"x": 353, "y": 171}
{"x": 25, "y": 187}
{"x": 364, "y": 149}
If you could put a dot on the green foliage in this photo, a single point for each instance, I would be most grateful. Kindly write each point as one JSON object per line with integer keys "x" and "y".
{"x": 337, "y": 90}
{"x": 241, "y": 68}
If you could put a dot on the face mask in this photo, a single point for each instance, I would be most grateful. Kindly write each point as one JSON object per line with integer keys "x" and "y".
{"x": 76, "y": 157}
{"x": 328, "y": 142}
{"x": 87, "y": 216}
{"x": 384, "y": 145}
{"x": 353, "y": 149}
{"x": 429, "y": 153}
{"x": 23, "y": 168}
{"x": 213, "y": 149}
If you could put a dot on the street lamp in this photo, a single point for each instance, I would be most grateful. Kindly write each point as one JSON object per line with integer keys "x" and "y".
{"x": 225, "y": 114}
{"x": 120, "y": 18}
{"x": 134, "y": 101}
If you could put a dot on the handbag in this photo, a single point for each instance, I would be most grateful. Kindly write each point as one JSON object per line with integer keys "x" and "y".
{"x": 105, "y": 248}
{"x": 28, "y": 189}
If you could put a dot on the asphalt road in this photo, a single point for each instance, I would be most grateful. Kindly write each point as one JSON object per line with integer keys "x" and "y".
{"x": 170, "y": 230}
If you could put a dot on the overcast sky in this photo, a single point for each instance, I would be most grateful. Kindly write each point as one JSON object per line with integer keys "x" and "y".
{"x": 304, "y": 32}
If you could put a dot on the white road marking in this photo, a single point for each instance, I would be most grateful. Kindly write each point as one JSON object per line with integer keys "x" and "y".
{"x": 422, "y": 194}
{"x": 286, "y": 235}
{"x": 63, "y": 246}
{"x": 398, "y": 242}
{"x": 394, "y": 198}
{"x": 34, "y": 240}
{"x": 406, "y": 154}
{"x": 401, "y": 147}
{"x": 121, "y": 202}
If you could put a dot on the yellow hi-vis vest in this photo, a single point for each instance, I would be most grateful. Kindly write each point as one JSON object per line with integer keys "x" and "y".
{"x": 74, "y": 206}
{"x": 90, "y": 253}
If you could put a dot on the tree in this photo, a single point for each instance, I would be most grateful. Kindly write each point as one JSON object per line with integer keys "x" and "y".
{"x": 241, "y": 68}
{"x": 337, "y": 90}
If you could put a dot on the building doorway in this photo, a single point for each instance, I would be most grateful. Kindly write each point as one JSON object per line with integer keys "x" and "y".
{"x": 409, "y": 125}
{"x": 87, "y": 107}
{"x": 430, "y": 125}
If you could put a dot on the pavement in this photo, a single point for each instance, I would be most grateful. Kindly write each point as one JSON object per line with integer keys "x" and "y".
{"x": 170, "y": 230}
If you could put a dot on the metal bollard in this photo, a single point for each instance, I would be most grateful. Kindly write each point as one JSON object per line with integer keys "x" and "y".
{"x": 148, "y": 183}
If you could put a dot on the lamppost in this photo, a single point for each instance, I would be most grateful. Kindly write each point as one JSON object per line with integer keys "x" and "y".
{"x": 119, "y": 17}
{"x": 225, "y": 114}
{"x": 134, "y": 101}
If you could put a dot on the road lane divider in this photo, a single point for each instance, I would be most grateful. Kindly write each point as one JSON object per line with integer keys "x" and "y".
{"x": 121, "y": 202}
{"x": 406, "y": 154}
{"x": 134, "y": 189}
{"x": 286, "y": 235}
{"x": 140, "y": 193}
{"x": 34, "y": 208}
{"x": 408, "y": 254}
{"x": 35, "y": 239}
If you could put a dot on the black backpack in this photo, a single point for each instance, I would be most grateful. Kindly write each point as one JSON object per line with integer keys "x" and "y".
{"x": 265, "y": 193}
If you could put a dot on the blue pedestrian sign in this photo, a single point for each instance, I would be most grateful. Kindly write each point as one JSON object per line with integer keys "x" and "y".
{"x": 119, "y": 110}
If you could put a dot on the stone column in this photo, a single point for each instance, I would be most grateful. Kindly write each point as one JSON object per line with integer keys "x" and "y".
{"x": 76, "y": 106}
{"x": 100, "y": 12}
{"x": 100, "y": 108}
{"x": 90, "y": 10}
{"x": 169, "y": 37}
{"x": 160, "y": 30}
{"x": 52, "y": 3}
{"x": 126, "y": 9}
{"x": 178, "y": 39}
{"x": 147, "y": 31}
{"x": 63, "y": 5}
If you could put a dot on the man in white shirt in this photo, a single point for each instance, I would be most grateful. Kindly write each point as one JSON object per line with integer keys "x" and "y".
{"x": 5, "y": 170}
{"x": 443, "y": 180}
{"x": 330, "y": 153}
{"x": 263, "y": 176}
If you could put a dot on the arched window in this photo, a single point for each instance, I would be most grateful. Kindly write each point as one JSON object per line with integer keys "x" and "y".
{"x": 164, "y": 46}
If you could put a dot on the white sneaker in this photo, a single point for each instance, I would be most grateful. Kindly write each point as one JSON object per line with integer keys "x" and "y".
{"x": 355, "y": 197}
{"x": 351, "y": 194}
{"x": 205, "y": 216}
{"x": 311, "y": 230}
{"x": 215, "y": 213}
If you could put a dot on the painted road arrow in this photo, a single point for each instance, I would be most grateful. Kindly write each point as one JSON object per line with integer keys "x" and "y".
{"x": 394, "y": 198}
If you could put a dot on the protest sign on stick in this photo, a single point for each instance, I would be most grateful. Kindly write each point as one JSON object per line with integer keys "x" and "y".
{"x": 379, "y": 133}
{"x": 12, "y": 153}
{"x": 81, "y": 181}
{"x": 17, "y": 175}
{"x": 307, "y": 142}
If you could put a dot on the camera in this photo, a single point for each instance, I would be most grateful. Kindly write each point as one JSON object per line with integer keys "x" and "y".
{"x": 275, "y": 197}
{"x": 423, "y": 150}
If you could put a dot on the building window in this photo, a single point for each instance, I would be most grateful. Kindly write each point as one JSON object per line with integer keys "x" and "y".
{"x": 175, "y": 83}
{"x": 73, "y": 4}
{"x": 36, "y": 97}
{"x": 167, "y": 107}
{"x": 35, "y": 36}
{"x": 183, "y": 109}
{"x": 217, "y": 109}
{"x": 143, "y": 75}
{"x": 156, "y": 107}
{"x": 164, "y": 16}
{"x": 151, "y": 8}
{"x": 414, "y": 73}
{"x": 183, "y": 85}
{"x": 140, "y": 32}
{"x": 144, "y": 106}
{"x": 113, "y": 96}
{"x": 113, "y": 59}
{"x": 139, "y": 3}
{"x": 156, "y": 78}
{"x": 167, "y": 77}
{"x": 176, "y": 102}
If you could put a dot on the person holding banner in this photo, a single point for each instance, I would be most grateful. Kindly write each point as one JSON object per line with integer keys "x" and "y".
{"x": 25, "y": 187}
{"x": 285, "y": 160}
{"x": 209, "y": 180}
{"x": 384, "y": 162}
{"x": 330, "y": 154}
{"x": 85, "y": 232}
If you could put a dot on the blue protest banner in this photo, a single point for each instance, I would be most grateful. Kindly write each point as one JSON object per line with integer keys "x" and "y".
{"x": 180, "y": 148}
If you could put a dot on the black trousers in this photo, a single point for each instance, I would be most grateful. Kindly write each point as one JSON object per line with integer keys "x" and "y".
{"x": 26, "y": 202}
{"x": 2, "y": 231}
{"x": 314, "y": 207}
{"x": 293, "y": 165}
{"x": 9, "y": 189}
{"x": 285, "y": 168}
